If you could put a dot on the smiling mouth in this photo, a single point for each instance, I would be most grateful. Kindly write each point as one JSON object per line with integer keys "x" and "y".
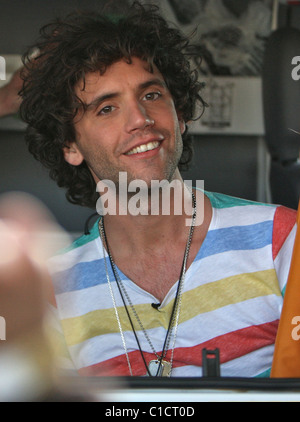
{"x": 143, "y": 148}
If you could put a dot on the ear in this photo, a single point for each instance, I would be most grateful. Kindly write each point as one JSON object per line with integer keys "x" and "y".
{"x": 182, "y": 126}
{"x": 72, "y": 154}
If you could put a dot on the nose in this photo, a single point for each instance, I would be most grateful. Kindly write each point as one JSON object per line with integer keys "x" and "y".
{"x": 137, "y": 117}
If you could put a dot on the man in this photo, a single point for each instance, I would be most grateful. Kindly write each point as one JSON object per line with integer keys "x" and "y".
{"x": 144, "y": 293}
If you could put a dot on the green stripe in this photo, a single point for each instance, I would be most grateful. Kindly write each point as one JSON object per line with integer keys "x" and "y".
{"x": 82, "y": 240}
{"x": 265, "y": 374}
{"x": 219, "y": 200}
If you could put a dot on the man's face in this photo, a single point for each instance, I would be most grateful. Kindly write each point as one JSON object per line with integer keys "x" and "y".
{"x": 131, "y": 125}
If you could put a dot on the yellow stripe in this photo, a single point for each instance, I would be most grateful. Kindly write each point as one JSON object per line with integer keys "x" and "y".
{"x": 228, "y": 291}
{"x": 205, "y": 298}
{"x": 57, "y": 342}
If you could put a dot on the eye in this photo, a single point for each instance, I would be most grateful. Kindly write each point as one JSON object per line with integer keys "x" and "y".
{"x": 152, "y": 96}
{"x": 106, "y": 110}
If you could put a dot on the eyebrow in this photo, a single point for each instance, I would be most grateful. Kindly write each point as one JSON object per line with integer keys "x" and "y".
{"x": 100, "y": 98}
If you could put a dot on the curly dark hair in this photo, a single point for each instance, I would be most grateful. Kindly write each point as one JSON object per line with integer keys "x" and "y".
{"x": 86, "y": 42}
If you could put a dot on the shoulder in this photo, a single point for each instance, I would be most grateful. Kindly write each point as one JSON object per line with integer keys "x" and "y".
{"x": 82, "y": 249}
{"x": 277, "y": 220}
{"x": 239, "y": 211}
{"x": 83, "y": 240}
{"x": 284, "y": 228}
{"x": 280, "y": 214}
{"x": 222, "y": 201}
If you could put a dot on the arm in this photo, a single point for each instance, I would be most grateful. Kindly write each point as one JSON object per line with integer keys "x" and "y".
{"x": 9, "y": 99}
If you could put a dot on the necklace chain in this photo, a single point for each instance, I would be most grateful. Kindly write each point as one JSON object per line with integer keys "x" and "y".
{"x": 174, "y": 319}
{"x": 116, "y": 313}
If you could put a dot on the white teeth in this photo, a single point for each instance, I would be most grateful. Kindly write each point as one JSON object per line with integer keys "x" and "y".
{"x": 143, "y": 148}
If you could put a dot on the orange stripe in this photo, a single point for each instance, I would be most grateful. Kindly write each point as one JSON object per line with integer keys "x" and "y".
{"x": 286, "y": 362}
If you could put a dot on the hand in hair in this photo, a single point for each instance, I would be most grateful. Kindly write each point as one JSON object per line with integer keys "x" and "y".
{"x": 9, "y": 95}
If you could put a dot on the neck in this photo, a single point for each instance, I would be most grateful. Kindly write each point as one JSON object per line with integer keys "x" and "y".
{"x": 149, "y": 249}
{"x": 165, "y": 219}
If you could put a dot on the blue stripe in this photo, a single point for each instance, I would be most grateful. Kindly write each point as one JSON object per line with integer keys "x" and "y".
{"x": 81, "y": 276}
{"x": 90, "y": 274}
{"x": 236, "y": 238}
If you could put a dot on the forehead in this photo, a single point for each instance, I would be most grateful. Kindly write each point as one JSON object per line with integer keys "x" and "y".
{"x": 117, "y": 76}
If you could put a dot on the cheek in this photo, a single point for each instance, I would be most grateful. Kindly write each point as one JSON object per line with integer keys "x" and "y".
{"x": 178, "y": 121}
{"x": 88, "y": 139}
{"x": 168, "y": 118}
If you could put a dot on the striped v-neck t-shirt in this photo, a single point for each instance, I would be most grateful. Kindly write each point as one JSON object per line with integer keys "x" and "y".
{"x": 231, "y": 299}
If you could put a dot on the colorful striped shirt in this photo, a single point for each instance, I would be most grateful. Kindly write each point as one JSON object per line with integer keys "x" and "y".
{"x": 231, "y": 299}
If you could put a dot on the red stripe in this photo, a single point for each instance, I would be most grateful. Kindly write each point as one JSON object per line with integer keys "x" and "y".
{"x": 231, "y": 345}
{"x": 284, "y": 221}
{"x": 118, "y": 365}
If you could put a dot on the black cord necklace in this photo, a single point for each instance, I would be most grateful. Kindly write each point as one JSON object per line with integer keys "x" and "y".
{"x": 159, "y": 366}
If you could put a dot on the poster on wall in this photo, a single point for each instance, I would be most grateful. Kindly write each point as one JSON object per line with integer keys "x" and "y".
{"x": 229, "y": 43}
{"x": 230, "y": 35}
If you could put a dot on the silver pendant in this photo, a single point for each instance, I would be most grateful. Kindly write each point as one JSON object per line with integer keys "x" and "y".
{"x": 159, "y": 368}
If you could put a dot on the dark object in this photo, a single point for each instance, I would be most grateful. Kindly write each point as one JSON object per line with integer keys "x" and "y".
{"x": 211, "y": 363}
{"x": 281, "y": 105}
